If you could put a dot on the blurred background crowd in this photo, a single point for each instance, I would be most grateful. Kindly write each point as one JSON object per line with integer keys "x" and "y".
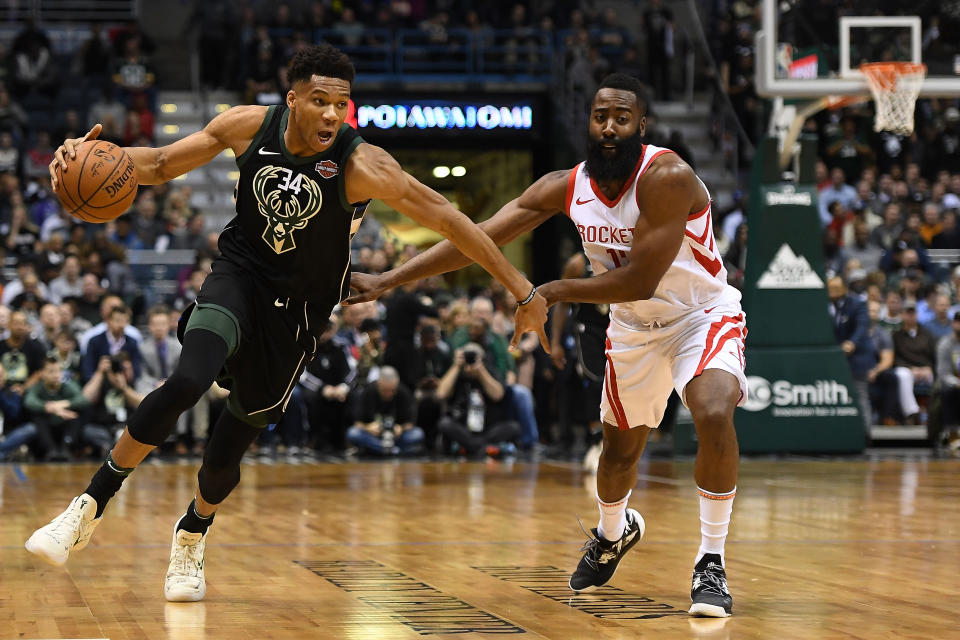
{"x": 426, "y": 369}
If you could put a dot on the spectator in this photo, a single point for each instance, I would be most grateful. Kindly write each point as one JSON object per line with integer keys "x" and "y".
{"x": 54, "y": 406}
{"x": 30, "y": 299}
{"x": 404, "y": 309}
{"x": 69, "y": 319}
{"x": 838, "y": 190}
{"x": 891, "y": 316}
{"x": 124, "y": 236}
{"x": 848, "y": 153}
{"x": 949, "y": 236}
{"x": 11, "y": 437}
{"x": 914, "y": 353}
{"x": 50, "y": 326}
{"x": 851, "y": 327}
{"x": 69, "y": 127}
{"x": 476, "y": 415}
{"x": 13, "y": 119}
{"x": 840, "y": 218}
{"x": 33, "y": 68}
{"x": 931, "y": 223}
{"x": 191, "y": 289}
{"x": 111, "y": 394}
{"x": 429, "y": 362}
{"x": 384, "y": 417}
{"x": 145, "y": 222}
{"x": 107, "y": 305}
{"x": 834, "y": 255}
{"x": 9, "y": 155}
{"x": 863, "y": 249}
{"x": 370, "y": 351}
{"x": 66, "y": 352}
{"x": 59, "y": 222}
{"x": 326, "y": 381}
{"x": 948, "y": 375}
{"x": 940, "y": 325}
{"x": 21, "y": 356}
{"x": 39, "y": 157}
{"x": 133, "y": 73}
{"x": 111, "y": 342}
{"x": 106, "y": 108}
{"x": 89, "y": 306}
{"x": 23, "y": 240}
{"x": 883, "y": 382}
{"x": 160, "y": 350}
{"x": 193, "y": 239}
{"x": 352, "y": 317}
{"x": 658, "y": 23}
{"x": 95, "y": 54}
{"x": 68, "y": 284}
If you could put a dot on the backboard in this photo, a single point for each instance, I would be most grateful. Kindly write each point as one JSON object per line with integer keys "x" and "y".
{"x": 806, "y": 49}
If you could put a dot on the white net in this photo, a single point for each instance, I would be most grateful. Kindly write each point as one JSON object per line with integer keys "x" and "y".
{"x": 895, "y": 87}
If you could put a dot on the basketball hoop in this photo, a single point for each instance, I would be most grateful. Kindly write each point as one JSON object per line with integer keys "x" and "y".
{"x": 895, "y": 87}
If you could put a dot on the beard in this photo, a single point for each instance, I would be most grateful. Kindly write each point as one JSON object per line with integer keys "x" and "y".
{"x": 618, "y": 167}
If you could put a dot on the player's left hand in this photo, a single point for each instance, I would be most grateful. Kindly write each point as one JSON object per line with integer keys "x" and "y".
{"x": 531, "y": 317}
{"x": 368, "y": 287}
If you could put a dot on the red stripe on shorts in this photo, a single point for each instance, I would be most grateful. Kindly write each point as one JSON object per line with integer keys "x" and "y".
{"x": 613, "y": 397}
{"x": 714, "y": 330}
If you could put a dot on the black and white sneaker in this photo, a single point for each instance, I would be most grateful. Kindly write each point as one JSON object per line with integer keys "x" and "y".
{"x": 709, "y": 591}
{"x": 601, "y": 557}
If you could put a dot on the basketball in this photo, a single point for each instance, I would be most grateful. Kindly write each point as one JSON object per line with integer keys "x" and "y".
{"x": 100, "y": 183}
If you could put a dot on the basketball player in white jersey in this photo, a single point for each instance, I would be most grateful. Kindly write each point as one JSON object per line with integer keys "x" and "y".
{"x": 646, "y": 224}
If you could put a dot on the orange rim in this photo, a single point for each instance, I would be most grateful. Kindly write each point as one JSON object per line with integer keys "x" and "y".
{"x": 883, "y": 76}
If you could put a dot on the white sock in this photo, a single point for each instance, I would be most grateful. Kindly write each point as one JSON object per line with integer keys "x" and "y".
{"x": 715, "y": 511}
{"x": 613, "y": 517}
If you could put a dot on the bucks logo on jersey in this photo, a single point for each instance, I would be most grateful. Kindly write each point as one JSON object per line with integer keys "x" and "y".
{"x": 287, "y": 201}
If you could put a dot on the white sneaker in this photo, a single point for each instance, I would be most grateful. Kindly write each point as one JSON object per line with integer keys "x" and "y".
{"x": 185, "y": 581}
{"x": 69, "y": 530}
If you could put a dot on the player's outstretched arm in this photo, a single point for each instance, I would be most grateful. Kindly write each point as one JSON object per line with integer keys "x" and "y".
{"x": 541, "y": 200}
{"x": 667, "y": 199}
{"x": 234, "y": 128}
{"x": 373, "y": 173}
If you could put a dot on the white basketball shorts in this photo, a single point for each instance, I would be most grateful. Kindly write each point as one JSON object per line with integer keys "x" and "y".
{"x": 643, "y": 366}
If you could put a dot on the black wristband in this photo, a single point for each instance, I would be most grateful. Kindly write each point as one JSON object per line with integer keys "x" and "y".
{"x": 533, "y": 292}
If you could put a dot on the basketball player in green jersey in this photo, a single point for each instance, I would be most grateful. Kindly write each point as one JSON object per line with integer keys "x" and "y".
{"x": 305, "y": 181}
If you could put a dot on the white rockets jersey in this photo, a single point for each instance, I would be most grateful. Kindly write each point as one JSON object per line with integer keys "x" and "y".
{"x": 697, "y": 276}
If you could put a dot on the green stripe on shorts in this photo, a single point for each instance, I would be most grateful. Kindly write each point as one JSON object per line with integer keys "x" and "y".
{"x": 219, "y": 320}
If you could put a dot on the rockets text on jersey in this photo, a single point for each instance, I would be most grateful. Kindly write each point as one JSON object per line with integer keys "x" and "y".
{"x": 696, "y": 277}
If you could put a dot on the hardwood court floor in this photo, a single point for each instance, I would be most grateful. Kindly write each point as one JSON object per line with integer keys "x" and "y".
{"x": 391, "y": 551}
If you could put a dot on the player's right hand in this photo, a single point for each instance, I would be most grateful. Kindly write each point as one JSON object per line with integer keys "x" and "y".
{"x": 368, "y": 287}
{"x": 68, "y": 150}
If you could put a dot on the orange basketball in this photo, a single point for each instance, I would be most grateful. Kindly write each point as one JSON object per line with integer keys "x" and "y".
{"x": 100, "y": 183}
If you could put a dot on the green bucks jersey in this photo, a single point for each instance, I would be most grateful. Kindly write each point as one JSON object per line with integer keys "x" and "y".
{"x": 294, "y": 225}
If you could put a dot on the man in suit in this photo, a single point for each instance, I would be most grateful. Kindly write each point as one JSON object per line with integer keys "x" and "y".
{"x": 851, "y": 327}
{"x": 106, "y": 307}
{"x": 160, "y": 350}
{"x": 110, "y": 343}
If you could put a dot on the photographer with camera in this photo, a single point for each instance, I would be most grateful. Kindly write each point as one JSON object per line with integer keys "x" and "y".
{"x": 383, "y": 418}
{"x": 476, "y": 416}
{"x": 110, "y": 343}
{"x": 112, "y": 395}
